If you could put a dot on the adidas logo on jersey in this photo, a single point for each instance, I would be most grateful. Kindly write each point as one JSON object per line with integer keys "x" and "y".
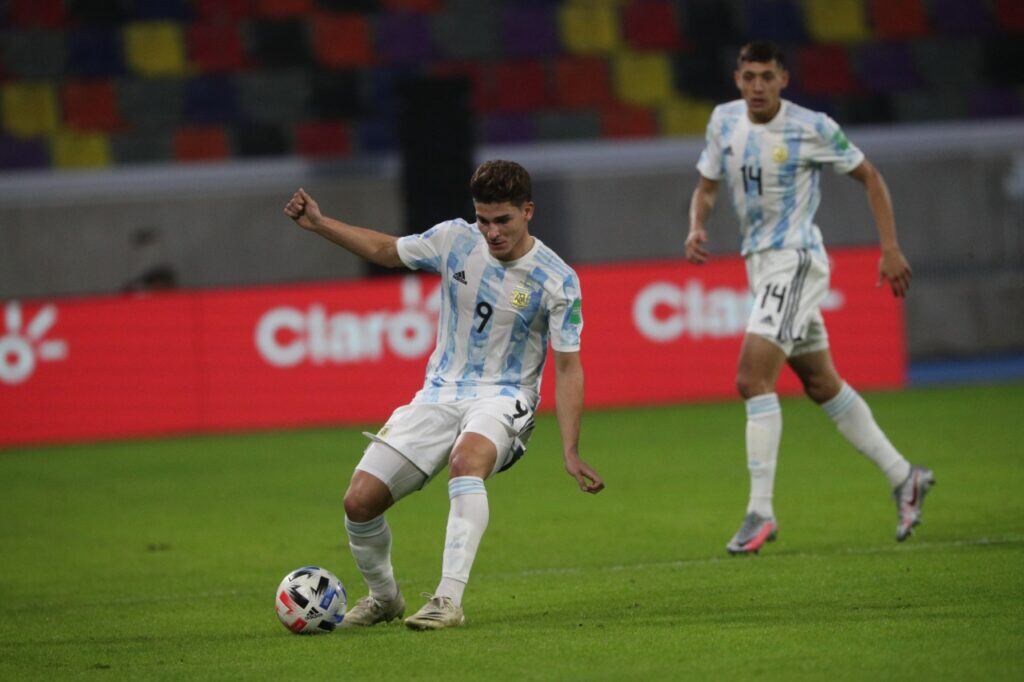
{"x": 460, "y": 276}
{"x": 767, "y": 319}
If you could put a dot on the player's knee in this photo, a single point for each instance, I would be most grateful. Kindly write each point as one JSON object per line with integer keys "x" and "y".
{"x": 359, "y": 507}
{"x": 822, "y": 388}
{"x": 749, "y": 385}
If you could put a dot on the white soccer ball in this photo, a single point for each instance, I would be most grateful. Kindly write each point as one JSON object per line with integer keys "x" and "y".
{"x": 311, "y": 600}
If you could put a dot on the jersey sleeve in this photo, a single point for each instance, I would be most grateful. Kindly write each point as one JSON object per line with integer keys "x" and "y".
{"x": 565, "y": 316}
{"x": 830, "y": 146}
{"x": 426, "y": 250}
{"x": 710, "y": 162}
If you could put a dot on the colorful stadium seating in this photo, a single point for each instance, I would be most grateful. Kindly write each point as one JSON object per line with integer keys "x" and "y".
{"x": 89, "y": 83}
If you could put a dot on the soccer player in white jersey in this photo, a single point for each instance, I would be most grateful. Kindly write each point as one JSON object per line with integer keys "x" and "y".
{"x": 504, "y": 296}
{"x": 770, "y": 152}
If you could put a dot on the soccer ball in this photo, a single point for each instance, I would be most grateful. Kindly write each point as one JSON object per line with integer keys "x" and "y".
{"x": 311, "y": 600}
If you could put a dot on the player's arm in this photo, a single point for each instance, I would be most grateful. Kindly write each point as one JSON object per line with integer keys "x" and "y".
{"x": 569, "y": 409}
{"x": 701, "y": 204}
{"x": 892, "y": 267}
{"x": 374, "y": 246}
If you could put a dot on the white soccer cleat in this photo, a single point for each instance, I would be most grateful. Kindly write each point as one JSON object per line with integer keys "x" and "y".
{"x": 438, "y": 613}
{"x": 370, "y": 611}
{"x": 909, "y": 497}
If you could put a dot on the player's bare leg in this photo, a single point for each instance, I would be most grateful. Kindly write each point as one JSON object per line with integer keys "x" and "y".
{"x": 369, "y": 535}
{"x": 472, "y": 460}
{"x": 759, "y": 366}
{"x": 856, "y": 423}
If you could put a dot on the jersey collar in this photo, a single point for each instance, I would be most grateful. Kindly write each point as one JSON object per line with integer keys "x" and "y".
{"x": 512, "y": 263}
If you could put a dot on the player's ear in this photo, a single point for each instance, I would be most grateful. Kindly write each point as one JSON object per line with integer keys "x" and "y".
{"x": 783, "y": 77}
{"x": 528, "y": 210}
{"x": 738, "y": 79}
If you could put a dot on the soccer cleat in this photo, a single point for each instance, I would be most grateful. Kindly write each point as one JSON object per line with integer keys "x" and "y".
{"x": 369, "y": 611}
{"x": 755, "y": 531}
{"x": 909, "y": 497}
{"x": 438, "y": 613}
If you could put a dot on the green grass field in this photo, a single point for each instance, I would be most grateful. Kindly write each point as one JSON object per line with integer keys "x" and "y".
{"x": 159, "y": 559}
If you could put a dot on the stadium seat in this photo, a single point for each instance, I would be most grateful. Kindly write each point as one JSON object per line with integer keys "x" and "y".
{"x": 835, "y": 21}
{"x": 898, "y": 19}
{"x": 624, "y": 121}
{"x": 931, "y": 105}
{"x": 342, "y": 40}
{"x": 335, "y": 95}
{"x": 1010, "y": 15}
{"x": 155, "y": 48}
{"x": 886, "y": 67}
{"x": 141, "y": 147}
{"x": 824, "y": 70}
{"x": 94, "y": 52}
{"x": 322, "y": 139}
{"x": 568, "y": 125}
{"x": 864, "y": 108}
{"x": 358, "y": 6}
{"x": 90, "y": 106}
{"x": 109, "y": 12}
{"x": 253, "y": 140}
{"x": 529, "y": 31}
{"x": 277, "y": 43}
{"x": 34, "y": 53}
{"x": 377, "y": 136}
{"x": 23, "y": 153}
{"x": 273, "y": 95}
{"x": 1003, "y": 57}
{"x": 29, "y": 108}
{"x": 283, "y": 9}
{"x": 223, "y": 10}
{"x": 412, "y": 5}
{"x": 210, "y": 99}
{"x": 37, "y": 13}
{"x": 685, "y": 116}
{"x": 150, "y": 10}
{"x": 508, "y": 129}
{"x": 473, "y": 71}
{"x": 642, "y": 78}
{"x": 958, "y": 18}
{"x": 215, "y": 47}
{"x": 150, "y": 103}
{"x": 705, "y": 72}
{"x": 467, "y": 34}
{"x": 995, "y": 103}
{"x": 516, "y": 86}
{"x": 201, "y": 143}
{"x": 651, "y": 25}
{"x": 778, "y": 20}
{"x": 582, "y": 82}
{"x": 948, "y": 63}
{"x": 404, "y": 39}
{"x": 710, "y": 22}
{"x": 588, "y": 28}
{"x": 80, "y": 150}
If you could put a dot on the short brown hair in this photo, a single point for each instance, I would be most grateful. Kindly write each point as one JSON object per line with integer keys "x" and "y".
{"x": 497, "y": 181}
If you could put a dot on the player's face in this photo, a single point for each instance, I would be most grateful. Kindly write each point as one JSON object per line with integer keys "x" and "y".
{"x": 760, "y": 84}
{"x": 506, "y": 227}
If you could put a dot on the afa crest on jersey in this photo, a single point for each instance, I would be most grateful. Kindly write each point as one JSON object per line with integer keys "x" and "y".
{"x": 520, "y": 298}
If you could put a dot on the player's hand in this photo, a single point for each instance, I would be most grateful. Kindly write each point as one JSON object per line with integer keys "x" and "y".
{"x": 585, "y": 476}
{"x": 695, "y": 252}
{"x": 894, "y": 269}
{"x": 303, "y": 210}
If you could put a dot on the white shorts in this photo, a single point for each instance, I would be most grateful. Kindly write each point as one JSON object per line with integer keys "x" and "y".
{"x": 788, "y": 287}
{"x": 425, "y": 433}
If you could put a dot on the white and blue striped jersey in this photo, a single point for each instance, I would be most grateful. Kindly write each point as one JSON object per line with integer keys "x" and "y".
{"x": 496, "y": 317}
{"x": 773, "y": 171}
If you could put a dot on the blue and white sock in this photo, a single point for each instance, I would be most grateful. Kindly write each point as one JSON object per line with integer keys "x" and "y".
{"x": 370, "y": 543}
{"x": 764, "y": 432}
{"x": 854, "y": 420}
{"x": 467, "y": 522}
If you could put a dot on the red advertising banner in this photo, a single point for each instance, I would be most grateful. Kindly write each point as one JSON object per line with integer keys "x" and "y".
{"x": 350, "y": 352}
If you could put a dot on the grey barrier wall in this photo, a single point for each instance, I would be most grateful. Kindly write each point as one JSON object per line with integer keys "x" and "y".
{"x": 958, "y": 191}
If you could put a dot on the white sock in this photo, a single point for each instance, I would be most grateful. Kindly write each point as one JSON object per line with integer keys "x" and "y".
{"x": 467, "y": 522}
{"x": 371, "y": 546}
{"x": 764, "y": 431}
{"x": 854, "y": 420}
